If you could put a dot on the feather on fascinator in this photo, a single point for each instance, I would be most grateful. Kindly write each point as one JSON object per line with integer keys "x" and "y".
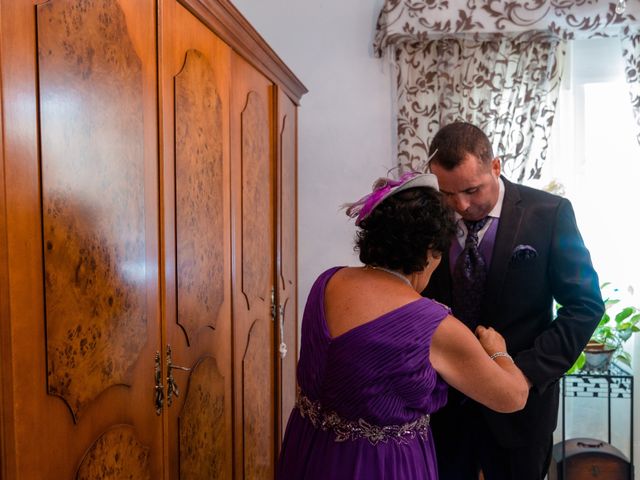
{"x": 384, "y": 188}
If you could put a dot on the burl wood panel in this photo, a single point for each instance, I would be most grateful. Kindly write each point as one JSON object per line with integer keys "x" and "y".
{"x": 258, "y": 403}
{"x": 116, "y": 455}
{"x": 91, "y": 121}
{"x": 256, "y": 201}
{"x": 199, "y": 201}
{"x": 202, "y": 425}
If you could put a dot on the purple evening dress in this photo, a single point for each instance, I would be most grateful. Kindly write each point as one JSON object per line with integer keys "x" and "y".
{"x": 378, "y": 372}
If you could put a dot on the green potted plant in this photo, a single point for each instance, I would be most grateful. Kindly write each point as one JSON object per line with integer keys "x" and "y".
{"x": 617, "y": 326}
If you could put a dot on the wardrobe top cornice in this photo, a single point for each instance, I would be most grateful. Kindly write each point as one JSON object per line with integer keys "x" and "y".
{"x": 224, "y": 19}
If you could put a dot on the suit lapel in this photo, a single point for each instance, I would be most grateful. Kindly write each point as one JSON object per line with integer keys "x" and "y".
{"x": 510, "y": 218}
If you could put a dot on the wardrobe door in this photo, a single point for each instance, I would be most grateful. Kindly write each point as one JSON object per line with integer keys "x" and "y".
{"x": 287, "y": 273}
{"x": 79, "y": 81}
{"x": 253, "y": 272}
{"x": 195, "y": 131}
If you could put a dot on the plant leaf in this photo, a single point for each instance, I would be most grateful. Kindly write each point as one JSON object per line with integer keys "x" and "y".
{"x": 625, "y": 334}
{"x": 624, "y": 357}
{"x": 578, "y": 364}
{"x": 625, "y": 313}
{"x": 610, "y": 302}
{"x": 605, "y": 319}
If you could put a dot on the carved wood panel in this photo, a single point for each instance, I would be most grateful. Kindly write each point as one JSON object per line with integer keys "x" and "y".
{"x": 93, "y": 197}
{"x": 287, "y": 200}
{"x": 203, "y": 455}
{"x": 258, "y": 403}
{"x": 199, "y": 199}
{"x": 256, "y": 198}
{"x": 116, "y": 455}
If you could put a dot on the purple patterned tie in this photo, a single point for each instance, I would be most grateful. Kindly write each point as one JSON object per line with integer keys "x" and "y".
{"x": 469, "y": 277}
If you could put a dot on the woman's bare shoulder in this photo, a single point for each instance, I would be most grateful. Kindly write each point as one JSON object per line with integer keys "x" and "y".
{"x": 356, "y": 295}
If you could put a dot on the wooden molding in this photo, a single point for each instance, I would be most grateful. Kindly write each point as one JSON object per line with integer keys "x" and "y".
{"x": 228, "y": 23}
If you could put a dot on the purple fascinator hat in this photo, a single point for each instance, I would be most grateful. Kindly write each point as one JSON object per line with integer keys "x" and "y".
{"x": 386, "y": 187}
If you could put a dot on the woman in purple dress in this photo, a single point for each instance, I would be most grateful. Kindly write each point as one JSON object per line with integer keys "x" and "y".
{"x": 375, "y": 354}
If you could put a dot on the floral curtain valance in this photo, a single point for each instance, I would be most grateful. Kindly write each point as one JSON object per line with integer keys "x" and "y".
{"x": 403, "y": 21}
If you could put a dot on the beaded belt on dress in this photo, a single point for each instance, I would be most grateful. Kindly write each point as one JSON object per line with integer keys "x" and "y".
{"x": 344, "y": 429}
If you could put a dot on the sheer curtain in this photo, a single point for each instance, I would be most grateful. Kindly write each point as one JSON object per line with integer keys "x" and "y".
{"x": 594, "y": 156}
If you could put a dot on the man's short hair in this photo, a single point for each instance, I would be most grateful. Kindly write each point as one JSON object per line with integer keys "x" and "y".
{"x": 456, "y": 140}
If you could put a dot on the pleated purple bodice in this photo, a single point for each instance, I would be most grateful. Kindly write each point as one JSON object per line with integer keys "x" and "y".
{"x": 378, "y": 372}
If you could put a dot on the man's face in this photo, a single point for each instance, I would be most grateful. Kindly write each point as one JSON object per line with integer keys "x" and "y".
{"x": 471, "y": 188}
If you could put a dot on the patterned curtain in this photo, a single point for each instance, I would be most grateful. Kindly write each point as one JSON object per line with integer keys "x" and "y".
{"x": 631, "y": 54}
{"x": 506, "y": 84}
{"x": 496, "y": 64}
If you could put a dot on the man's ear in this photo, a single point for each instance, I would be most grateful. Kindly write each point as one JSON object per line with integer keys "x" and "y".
{"x": 496, "y": 166}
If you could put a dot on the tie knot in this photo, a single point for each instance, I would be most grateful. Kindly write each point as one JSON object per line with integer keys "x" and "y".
{"x": 474, "y": 226}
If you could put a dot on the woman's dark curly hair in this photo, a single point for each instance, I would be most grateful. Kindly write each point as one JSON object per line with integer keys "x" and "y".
{"x": 400, "y": 230}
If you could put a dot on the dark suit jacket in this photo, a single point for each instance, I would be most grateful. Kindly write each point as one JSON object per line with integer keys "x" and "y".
{"x": 518, "y": 303}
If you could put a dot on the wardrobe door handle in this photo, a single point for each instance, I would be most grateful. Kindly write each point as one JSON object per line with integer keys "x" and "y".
{"x": 283, "y": 346}
{"x": 158, "y": 388}
{"x": 172, "y": 386}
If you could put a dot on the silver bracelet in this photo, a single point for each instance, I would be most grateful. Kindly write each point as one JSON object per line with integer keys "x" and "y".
{"x": 501, "y": 354}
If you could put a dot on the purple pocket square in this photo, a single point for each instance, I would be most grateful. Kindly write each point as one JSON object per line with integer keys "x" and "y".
{"x": 522, "y": 253}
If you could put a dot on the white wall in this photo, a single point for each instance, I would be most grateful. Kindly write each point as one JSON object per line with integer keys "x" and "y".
{"x": 345, "y": 123}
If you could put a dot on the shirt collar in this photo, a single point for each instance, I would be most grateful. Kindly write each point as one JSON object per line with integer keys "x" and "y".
{"x": 497, "y": 208}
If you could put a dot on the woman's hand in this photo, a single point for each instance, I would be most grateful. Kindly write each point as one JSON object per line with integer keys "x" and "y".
{"x": 464, "y": 361}
{"x": 490, "y": 340}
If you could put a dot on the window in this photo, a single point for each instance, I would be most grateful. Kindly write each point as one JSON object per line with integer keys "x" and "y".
{"x": 594, "y": 155}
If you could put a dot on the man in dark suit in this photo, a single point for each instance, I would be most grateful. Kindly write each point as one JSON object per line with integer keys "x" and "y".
{"x": 517, "y": 249}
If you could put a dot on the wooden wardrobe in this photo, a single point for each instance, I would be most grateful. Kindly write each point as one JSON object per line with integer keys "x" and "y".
{"x": 147, "y": 241}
